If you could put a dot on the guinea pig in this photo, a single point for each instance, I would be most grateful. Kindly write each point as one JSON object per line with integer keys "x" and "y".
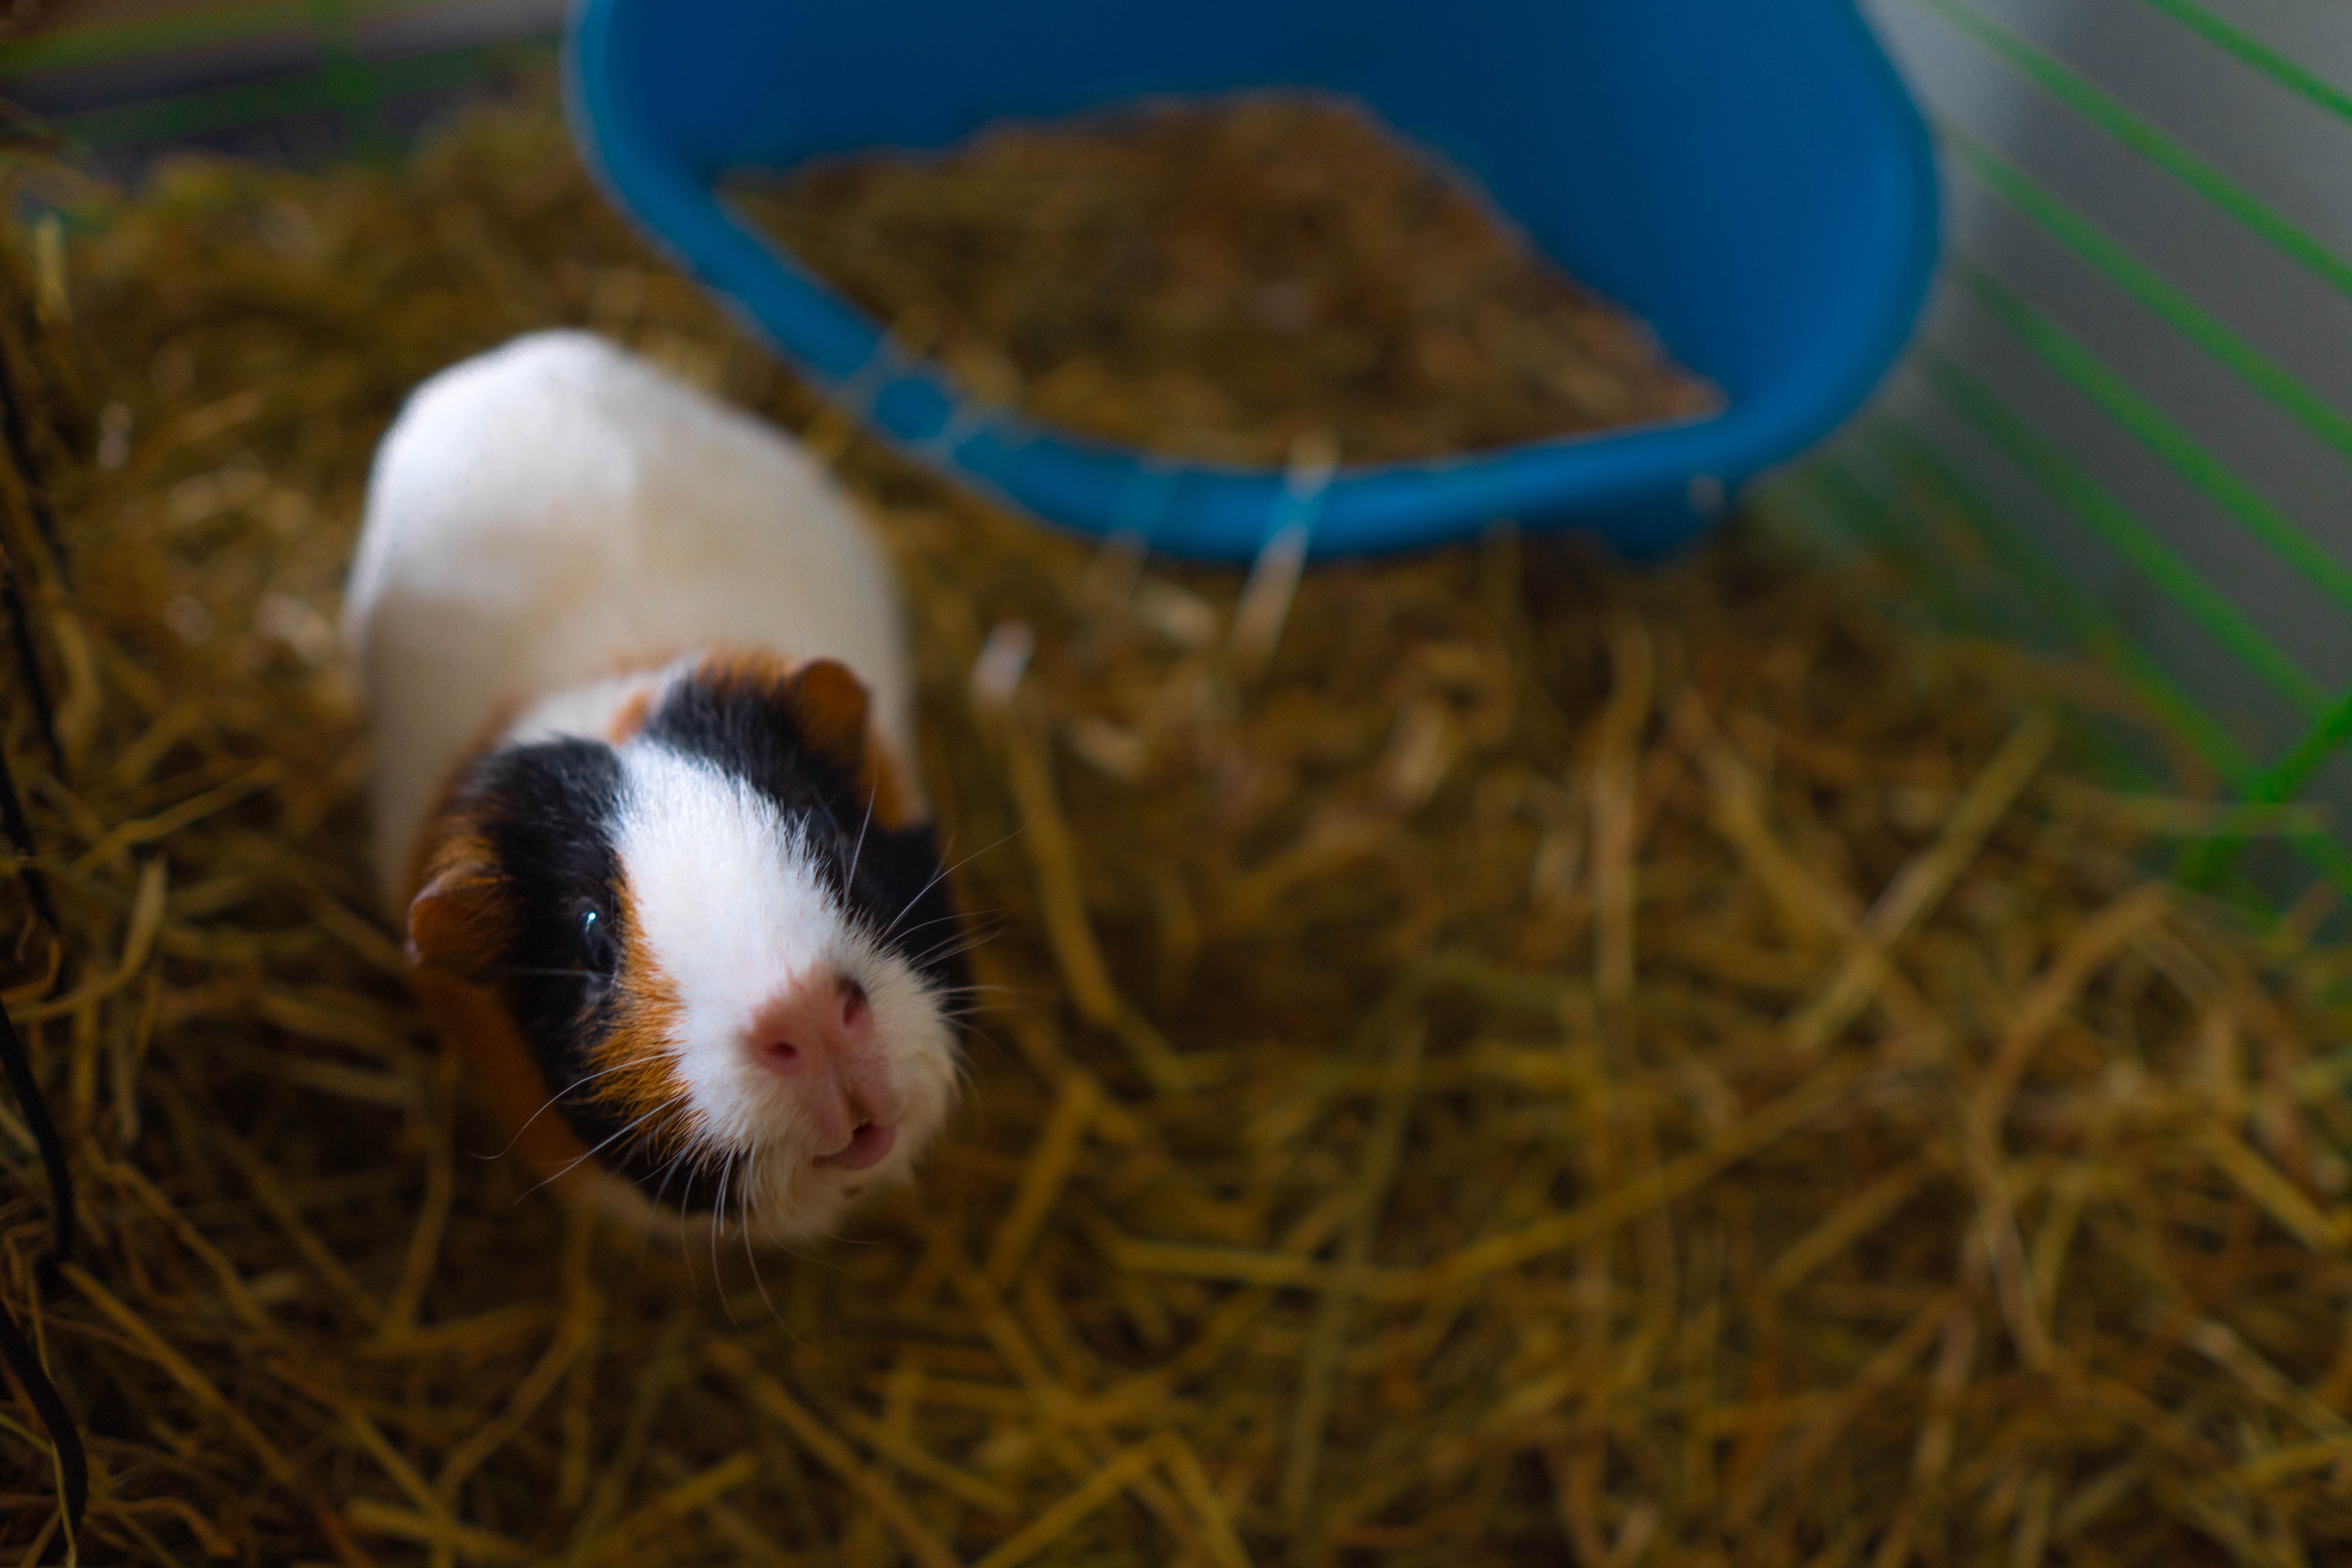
{"x": 643, "y": 791}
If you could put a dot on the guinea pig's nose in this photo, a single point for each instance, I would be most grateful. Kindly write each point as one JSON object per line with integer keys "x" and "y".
{"x": 818, "y": 1036}
{"x": 818, "y": 1020}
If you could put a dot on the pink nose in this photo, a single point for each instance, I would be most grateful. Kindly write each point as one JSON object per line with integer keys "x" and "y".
{"x": 818, "y": 1036}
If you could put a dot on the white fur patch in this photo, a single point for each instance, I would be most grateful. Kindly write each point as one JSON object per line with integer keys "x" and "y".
{"x": 731, "y": 907}
{"x": 542, "y": 514}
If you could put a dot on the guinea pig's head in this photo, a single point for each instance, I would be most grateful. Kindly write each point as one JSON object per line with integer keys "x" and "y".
{"x": 733, "y": 970}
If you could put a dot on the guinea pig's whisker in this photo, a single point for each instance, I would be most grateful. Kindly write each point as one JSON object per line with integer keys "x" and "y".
{"x": 858, "y": 848}
{"x": 669, "y": 1170}
{"x": 547, "y": 974}
{"x": 718, "y": 1224}
{"x": 953, "y": 948}
{"x": 975, "y": 997}
{"x": 750, "y": 1253}
{"x": 956, "y": 947}
{"x": 543, "y": 1109}
{"x": 842, "y": 1238}
{"x": 964, "y": 1078}
{"x": 991, "y": 989}
{"x": 670, "y": 1104}
{"x": 944, "y": 920}
{"x": 669, "y": 1174}
{"x": 944, "y": 873}
{"x": 696, "y": 1170}
{"x": 975, "y": 987}
{"x": 977, "y": 929}
{"x": 948, "y": 919}
{"x": 917, "y": 899}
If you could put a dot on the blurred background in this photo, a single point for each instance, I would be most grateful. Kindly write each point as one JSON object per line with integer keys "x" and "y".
{"x": 301, "y": 80}
{"x": 2124, "y": 429}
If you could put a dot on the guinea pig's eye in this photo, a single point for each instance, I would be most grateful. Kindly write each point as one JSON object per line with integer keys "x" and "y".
{"x": 596, "y": 949}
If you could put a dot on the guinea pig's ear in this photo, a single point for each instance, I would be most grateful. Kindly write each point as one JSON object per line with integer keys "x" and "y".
{"x": 455, "y": 921}
{"x": 831, "y": 705}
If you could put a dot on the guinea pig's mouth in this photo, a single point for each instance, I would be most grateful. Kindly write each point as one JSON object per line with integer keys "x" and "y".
{"x": 868, "y": 1147}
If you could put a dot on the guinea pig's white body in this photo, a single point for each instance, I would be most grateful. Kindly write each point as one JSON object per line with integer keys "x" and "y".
{"x": 644, "y": 789}
{"x": 556, "y": 511}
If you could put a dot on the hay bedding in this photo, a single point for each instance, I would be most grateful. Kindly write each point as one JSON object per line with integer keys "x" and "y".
{"x": 1529, "y": 1064}
{"x": 1225, "y": 282}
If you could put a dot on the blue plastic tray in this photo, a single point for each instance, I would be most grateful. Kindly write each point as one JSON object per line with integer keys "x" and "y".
{"x": 1747, "y": 175}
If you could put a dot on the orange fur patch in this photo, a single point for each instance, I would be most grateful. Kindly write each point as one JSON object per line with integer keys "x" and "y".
{"x": 734, "y": 668}
{"x": 834, "y": 713}
{"x": 457, "y": 920}
{"x": 630, "y": 718}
